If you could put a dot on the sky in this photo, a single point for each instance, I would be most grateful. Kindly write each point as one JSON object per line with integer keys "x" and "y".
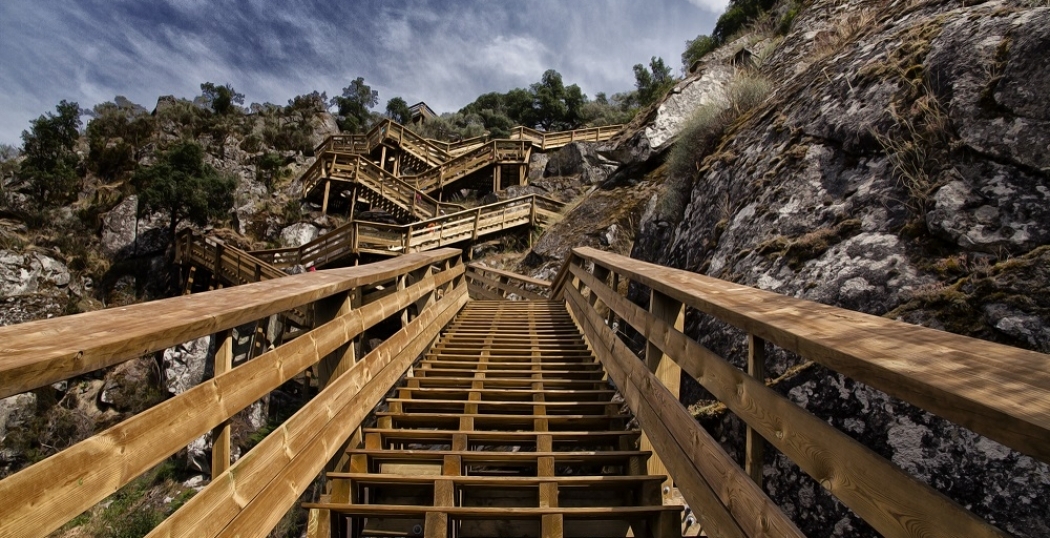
{"x": 445, "y": 52}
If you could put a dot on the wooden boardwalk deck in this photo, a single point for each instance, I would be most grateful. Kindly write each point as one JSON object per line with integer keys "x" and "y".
{"x": 507, "y": 427}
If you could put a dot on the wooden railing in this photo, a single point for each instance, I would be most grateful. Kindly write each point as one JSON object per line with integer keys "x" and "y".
{"x": 492, "y": 153}
{"x": 393, "y": 239}
{"x": 495, "y": 284}
{"x": 229, "y": 265}
{"x": 449, "y": 162}
{"x": 556, "y": 139}
{"x": 424, "y": 149}
{"x": 997, "y": 391}
{"x": 248, "y": 497}
{"x": 358, "y": 169}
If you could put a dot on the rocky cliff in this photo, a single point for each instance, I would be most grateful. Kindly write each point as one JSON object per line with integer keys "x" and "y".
{"x": 900, "y": 166}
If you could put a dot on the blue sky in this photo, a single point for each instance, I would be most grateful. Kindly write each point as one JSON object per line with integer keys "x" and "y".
{"x": 443, "y": 52}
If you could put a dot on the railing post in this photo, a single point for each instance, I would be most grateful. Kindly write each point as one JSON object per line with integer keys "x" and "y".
{"x": 216, "y": 270}
{"x": 220, "y": 446}
{"x": 327, "y": 190}
{"x": 666, "y": 369}
{"x": 335, "y": 363}
{"x": 755, "y": 450}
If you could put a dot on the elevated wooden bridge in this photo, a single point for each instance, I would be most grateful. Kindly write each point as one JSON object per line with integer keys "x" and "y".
{"x": 392, "y": 169}
{"x": 481, "y": 416}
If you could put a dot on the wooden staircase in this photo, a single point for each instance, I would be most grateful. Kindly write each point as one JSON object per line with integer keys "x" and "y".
{"x": 507, "y": 427}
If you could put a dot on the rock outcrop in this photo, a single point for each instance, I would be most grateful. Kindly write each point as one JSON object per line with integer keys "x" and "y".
{"x": 900, "y": 167}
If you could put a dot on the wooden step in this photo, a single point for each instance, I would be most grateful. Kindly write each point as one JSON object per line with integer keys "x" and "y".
{"x": 506, "y": 427}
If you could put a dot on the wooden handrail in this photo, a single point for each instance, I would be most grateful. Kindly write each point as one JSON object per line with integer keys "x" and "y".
{"x": 995, "y": 390}
{"x": 448, "y": 161}
{"x": 43, "y": 352}
{"x": 490, "y": 283}
{"x": 430, "y": 233}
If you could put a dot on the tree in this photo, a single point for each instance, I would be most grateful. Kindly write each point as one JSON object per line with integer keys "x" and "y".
{"x": 697, "y": 48}
{"x": 117, "y": 131}
{"x": 397, "y": 110}
{"x": 549, "y": 99}
{"x": 221, "y": 98}
{"x": 354, "y": 105}
{"x": 50, "y": 164}
{"x": 302, "y": 108}
{"x": 184, "y": 186}
{"x": 654, "y": 82}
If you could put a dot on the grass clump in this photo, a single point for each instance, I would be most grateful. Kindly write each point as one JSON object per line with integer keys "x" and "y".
{"x": 797, "y": 251}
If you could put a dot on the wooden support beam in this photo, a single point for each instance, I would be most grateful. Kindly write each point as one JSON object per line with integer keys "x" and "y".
{"x": 327, "y": 192}
{"x": 755, "y": 451}
{"x": 667, "y": 371}
{"x": 220, "y": 451}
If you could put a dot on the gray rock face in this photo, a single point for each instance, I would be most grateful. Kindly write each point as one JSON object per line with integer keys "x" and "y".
{"x": 124, "y": 234}
{"x": 805, "y": 197}
{"x": 683, "y": 100}
{"x": 298, "y": 234}
{"x": 537, "y": 165}
{"x": 579, "y": 158}
{"x": 185, "y": 364}
{"x": 15, "y": 410}
{"x": 23, "y": 274}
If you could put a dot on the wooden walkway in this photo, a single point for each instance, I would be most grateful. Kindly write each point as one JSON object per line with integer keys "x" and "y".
{"x": 499, "y": 418}
{"x": 507, "y": 427}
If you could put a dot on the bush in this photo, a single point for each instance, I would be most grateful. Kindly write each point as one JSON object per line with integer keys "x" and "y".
{"x": 705, "y": 129}
{"x": 697, "y": 48}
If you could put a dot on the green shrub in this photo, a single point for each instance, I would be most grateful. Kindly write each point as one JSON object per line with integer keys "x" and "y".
{"x": 785, "y": 22}
{"x": 697, "y": 48}
{"x": 746, "y": 91}
{"x": 705, "y": 129}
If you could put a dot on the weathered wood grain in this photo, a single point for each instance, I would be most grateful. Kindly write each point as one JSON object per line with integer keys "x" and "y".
{"x": 998, "y": 391}
{"x": 893, "y": 502}
{"x": 43, "y": 352}
{"x": 725, "y": 499}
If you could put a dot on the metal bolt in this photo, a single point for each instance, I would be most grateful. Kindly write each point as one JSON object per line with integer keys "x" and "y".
{"x": 417, "y": 529}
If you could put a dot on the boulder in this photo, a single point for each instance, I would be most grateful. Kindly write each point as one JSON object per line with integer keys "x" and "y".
{"x": 684, "y": 99}
{"x": 579, "y": 159}
{"x": 298, "y": 234}
{"x": 185, "y": 364}
{"x": 23, "y": 274}
{"x": 125, "y": 235}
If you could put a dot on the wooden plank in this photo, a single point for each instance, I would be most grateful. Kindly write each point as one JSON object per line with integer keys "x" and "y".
{"x": 755, "y": 446}
{"x": 40, "y": 353}
{"x": 663, "y": 367}
{"x": 220, "y": 451}
{"x": 511, "y": 275}
{"x": 243, "y": 500}
{"x": 998, "y": 391}
{"x": 500, "y": 512}
{"x": 505, "y": 287}
{"x": 893, "y": 502}
{"x": 727, "y": 502}
{"x": 121, "y": 453}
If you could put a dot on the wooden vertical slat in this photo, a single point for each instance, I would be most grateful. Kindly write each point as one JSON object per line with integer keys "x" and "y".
{"x": 755, "y": 450}
{"x": 220, "y": 451}
{"x": 666, "y": 370}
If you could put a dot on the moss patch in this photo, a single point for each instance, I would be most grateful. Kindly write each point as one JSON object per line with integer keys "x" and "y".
{"x": 798, "y": 250}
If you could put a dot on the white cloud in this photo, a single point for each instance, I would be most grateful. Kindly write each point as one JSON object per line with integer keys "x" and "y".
{"x": 445, "y": 53}
{"x": 714, "y": 6}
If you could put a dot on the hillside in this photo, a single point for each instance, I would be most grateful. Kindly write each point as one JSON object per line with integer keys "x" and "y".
{"x": 895, "y": 164}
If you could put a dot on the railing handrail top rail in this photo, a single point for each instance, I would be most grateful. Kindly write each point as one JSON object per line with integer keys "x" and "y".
{"x": 39, "y": 353}
{"x": 510, "y": 274}
{"x": 998, "y": 381}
